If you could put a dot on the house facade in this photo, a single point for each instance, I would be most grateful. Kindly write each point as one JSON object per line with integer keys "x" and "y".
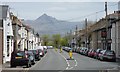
{"x": 7, "y": 33}
{"x": 97, "y": 35}
{"x": 115, "y": 33}
{"x": 16, "y": 24}
{"x": 23, "y": 34}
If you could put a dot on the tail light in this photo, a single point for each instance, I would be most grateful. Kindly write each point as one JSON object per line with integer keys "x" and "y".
{"x": 104, "y": 54}
{"x": 37, "y": 51}
{"x": 42, "y": 52}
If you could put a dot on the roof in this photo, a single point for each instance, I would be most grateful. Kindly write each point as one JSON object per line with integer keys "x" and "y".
{"x": 27, "y": 27}
{"x": 15, "y": 20}
{"x": 98, "y": 25}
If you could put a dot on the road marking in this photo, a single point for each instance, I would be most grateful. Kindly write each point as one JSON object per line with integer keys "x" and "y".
{"x": 70, "y": 67}
{"x": 66, "y": 68}
{"x": 76, "y": 63}
{"x": 66, "y": 61}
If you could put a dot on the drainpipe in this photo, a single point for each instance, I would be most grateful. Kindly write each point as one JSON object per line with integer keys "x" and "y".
{"x": 115, "y": 38}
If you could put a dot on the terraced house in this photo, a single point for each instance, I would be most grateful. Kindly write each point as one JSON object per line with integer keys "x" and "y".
{"x": 7, "y": 35}
{"x": 97, "y": 37}
{"x": 14, "y": 35}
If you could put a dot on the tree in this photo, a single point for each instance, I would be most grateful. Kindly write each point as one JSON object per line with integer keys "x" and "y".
{"x": 45, "y": 39}
{"x": 56, "y": 40}
{"x": 64, "y": 41}
{"x": 50, "y": 43}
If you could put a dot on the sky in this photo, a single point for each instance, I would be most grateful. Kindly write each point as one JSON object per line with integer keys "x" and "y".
{"x": 69, "y": 11}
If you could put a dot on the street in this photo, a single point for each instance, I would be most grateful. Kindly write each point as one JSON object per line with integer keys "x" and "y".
{"x": 54, "y": 60}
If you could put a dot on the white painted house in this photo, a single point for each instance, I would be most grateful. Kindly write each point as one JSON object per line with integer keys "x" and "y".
{"x": 7, "y": 33}
{"x": 23, "y": 33}
{"x": 31, "y": 39}
{"x": 115, "y": 33}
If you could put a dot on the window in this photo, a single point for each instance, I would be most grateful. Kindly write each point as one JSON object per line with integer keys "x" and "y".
{"x": 7, "y": 46}
{"x": 1, "y": 23}
{"x": 8, "y": 24}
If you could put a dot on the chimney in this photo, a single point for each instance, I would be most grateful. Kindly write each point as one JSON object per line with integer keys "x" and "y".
{"x": 4, "y": 11}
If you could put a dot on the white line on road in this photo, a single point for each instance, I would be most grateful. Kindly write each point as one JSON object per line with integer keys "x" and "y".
{"x": 70, "y": 67}
{"x": 65, "y": 60}
{"x": 66, "y": 68}
{"x": 75, "y": 62}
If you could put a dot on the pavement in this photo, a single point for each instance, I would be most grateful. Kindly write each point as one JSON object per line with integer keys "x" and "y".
{"x": 6, "y": 65}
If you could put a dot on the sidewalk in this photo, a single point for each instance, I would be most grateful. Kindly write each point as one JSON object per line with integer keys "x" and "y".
{"x": 6, "y": 65}
{"x": 0, "y": 67}
{"x": 118, "y": 60}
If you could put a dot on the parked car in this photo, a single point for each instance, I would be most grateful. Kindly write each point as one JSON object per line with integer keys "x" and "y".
{"x": 91, "y": 53}
{"x": 97, "y": 52}
{"x": 81, "y": 49}
{"x": 45, "y": 49}
{"x": 32, "y": 57}
{"x": 49, "y": 47}
{"x": 36, "y": 54}
{"x": 74, "y": 49}
{"x": 41, "y": 48}
{"x": 20, "y": 58}
{"x": 65, "y": 48}
{"x": 78, "y": 50}
{"x": 85, "y": 52}
{"x": 41, "y": 52}
{"x": 107, "y": 55}
{"x": 68, "y": 49}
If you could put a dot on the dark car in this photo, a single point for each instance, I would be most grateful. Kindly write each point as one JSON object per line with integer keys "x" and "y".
{"x": 32, "y": 57}
{"x": 20, "y": 58}
{"x": 36, "y": 53}
{"x": 107, "y": 55}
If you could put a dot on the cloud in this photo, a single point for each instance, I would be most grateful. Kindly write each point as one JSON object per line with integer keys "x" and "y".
{"x": 57, "y": 9}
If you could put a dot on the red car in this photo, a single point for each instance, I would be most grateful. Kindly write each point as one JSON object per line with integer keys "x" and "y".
{"x": 91, "y": 53}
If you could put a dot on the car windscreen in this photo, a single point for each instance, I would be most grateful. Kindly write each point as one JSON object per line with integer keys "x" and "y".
{"x": 34, "y": 51}
{"x": 30, "y": 53}
{"x": 110, "y": 52}
{"x": 20, "y": 54}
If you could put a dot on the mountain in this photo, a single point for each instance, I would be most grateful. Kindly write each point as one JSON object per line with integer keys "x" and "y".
{"x": 49, "y": 25}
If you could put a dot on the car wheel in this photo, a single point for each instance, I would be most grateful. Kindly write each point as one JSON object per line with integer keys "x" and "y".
{"x": 29, "y": 64}
{"x": 13, "y": 66}
{"x": 102, "y": 59}
{"x": 114, "y": 60}
{"x": 33, "y": 62}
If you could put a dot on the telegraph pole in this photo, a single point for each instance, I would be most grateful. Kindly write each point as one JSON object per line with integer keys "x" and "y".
{"x": 76, "y": 35}
{"x": 106, "y": 39}
{"x": 70, "y": 38}
{"x": 86, "y": 32}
